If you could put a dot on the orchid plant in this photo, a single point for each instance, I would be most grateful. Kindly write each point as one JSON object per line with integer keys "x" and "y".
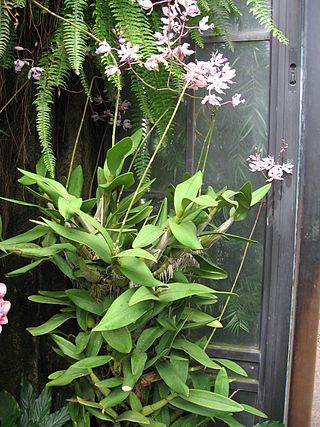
{"x": 140, "y": 279}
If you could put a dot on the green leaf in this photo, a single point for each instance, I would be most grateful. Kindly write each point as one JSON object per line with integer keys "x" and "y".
{"x": 57, "y": 419}
{"x": 115, "y": 318}
{"x": 230, "y": 421}
{"x": 186, "y": 189}
{"x": 139, "y": 253}
{"x": 24, "y": 269}
{"x": 260, "y": 193}
{"x": 222, "y": 383}
{"x": 94, "y": 344}
{"x": 82, "y": 340}
{"x": 116, "y": 157}
{"x": 67, "y": 347}
{"x": 148, "y": 337}
{"x": 41, "y": 406}
{"x": 186, "y": 234}
{"x": 76, "y": 182}
{"x": 254, "y": 411}
{"x": 147, "y": 235}
{"x": 137, "y": 271}
{"x": 66, "y": 377}
{"x": 100, "y": 415}
{"x": 40, "y": 299}
{"x": 232, "y": 366}
{"x": 119, "y": 339}
{"x": 212, "y": 401}
{"x": 114, "y": 398}
{"x": 29, "y": 236}
{"x": 207, "y": 269}
{"x": 9, "y": 409}
{"x": 138, "y": 361}
{"x": 176, "y": 291}
{"x": 91, "y": 362}
{"x": 30, "y": 250}
{"x": 195, "y": 352}
{"x": 53, "y": 185}
{"x": 49, "y": 326}
{"x": 98, "y": 245}
{"x": 83, "y": 299}
{"x": 168, "y": 373}
{"x": 110, "y": 382}
{"x": 181, "y": 403}
{"x": 134, "y": 417}
{"x": 126, "y": 179}
{"x": 142, "y": 294}
{"x": 66, "y": 206}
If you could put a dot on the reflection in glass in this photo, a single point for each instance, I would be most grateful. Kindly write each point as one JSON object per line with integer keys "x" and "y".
{"x": 246, "y": 21}
{"x": 237, "y": 131}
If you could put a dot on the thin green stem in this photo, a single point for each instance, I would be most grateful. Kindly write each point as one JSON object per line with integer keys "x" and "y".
{"x": 207, "y": 142}
{"x": 234, "y": 284}
{"x": 162, "y": 139}
{"x": 115, "y": 119}
{"x": 75, "y": 146}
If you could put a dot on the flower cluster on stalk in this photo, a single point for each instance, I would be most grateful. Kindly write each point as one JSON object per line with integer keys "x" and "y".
{"x": 214, "y": 75}
{"x": 4, "y": 306}
{"x": 104, "y": 111}
{"x": 273, "y": 170}
{"x": 19, "y": 64}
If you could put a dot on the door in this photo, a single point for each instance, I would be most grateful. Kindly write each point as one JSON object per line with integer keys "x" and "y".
{"x": 258, "y": 323}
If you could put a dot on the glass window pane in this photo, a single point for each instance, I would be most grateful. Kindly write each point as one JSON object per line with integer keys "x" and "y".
{"x": 246, "y": 22}
{"x": 237, "y": 132}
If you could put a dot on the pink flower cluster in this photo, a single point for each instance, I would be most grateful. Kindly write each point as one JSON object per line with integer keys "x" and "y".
{"x": 214, "y": 75}
{"x": 4, "y": 306}
{"x": 267, "y": 165}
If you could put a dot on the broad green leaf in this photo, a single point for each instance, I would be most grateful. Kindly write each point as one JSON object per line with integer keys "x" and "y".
{"x": 260, "y": 193}
{"x": 91, "y": 362}
{"x": 213, "y": 401}
{"x": 187, "y": 406}
{"x": 222, "y": 383}
{"x": 138, "y": 361}
{"x": 205, "y": 201}
{"x": 147, "y": 235}
{"x": 142, "y": 294}
{"x": 29, "y": 236}
{"x": 137, "y": 252}
{"x": 9, "y": 409}
{"x": 25, "y": 269}
{"x": 208, "y": 269}
{"x": 254, "y": 411}
{"x": 135, "y": 403}
{"x": 230, "y": 421}
{"x": 114, "y": 398}
{"x": 98, "y": 245}
{"x": 186, "y": 234}
{"x": 31, "y": 250}
{"x": 49, "y": 326}
{"x": 66, "y": 377}
{"x": 67, "y": 347}
{"x": 82, "y": 340}
{"x": 186, "y": 189}
{"x": 169, "y": 375}
{"x": 134, "y": 417}
{"x": 119, "y": 339}
{"x": 137, "y": 271}
{"x": 232, "y": 366}
{"x": 100, "y": 414}
{"x": 176, "y": 291}
{"x": 94, "y": 344}
{"x": 120, "y": 314}
{"x": 83, "y": 299}
{"x": 126, "y": 179}
{"x": 41, "y": 299}
{"x": 110, "y": 382}
{"x": 41, "y": 406}
{"x": 76, "y": 182}
{"x": 148, "y": 337}
{"x": 189, "y": 421}
{"x": 19, "y": 202}
{"x": 195, "y": 352}
{"x": 63, "y": 266}
{"x": 116, "y": 156}
{"x": 66, "y": 206}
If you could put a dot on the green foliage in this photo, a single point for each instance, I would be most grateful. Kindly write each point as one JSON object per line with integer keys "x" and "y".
{"x": 5, "y": 25}
{"x": 135, "y": 295}
{"x": 32, "y": 411}
{"x": 261, "y": 9}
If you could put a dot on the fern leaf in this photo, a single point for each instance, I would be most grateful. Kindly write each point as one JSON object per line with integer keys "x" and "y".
{"x": 262, "y": 10}
{"x": 75, "y": 39}
{"x": 5, "y": 25}
{"x": 57, "y": 67}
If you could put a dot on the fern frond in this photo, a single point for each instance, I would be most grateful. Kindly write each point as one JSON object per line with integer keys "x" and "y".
{"x": 85, "y": 84}
{"x": 19, "y": 3}
{"x": 262, "y": 10}
{"x": 5, "y": 25}
{"x": 75, "y": 40}
{"x": 133, "y": 21}
{"x": 8, "y": 57}
{"x": 57, "y": 67}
